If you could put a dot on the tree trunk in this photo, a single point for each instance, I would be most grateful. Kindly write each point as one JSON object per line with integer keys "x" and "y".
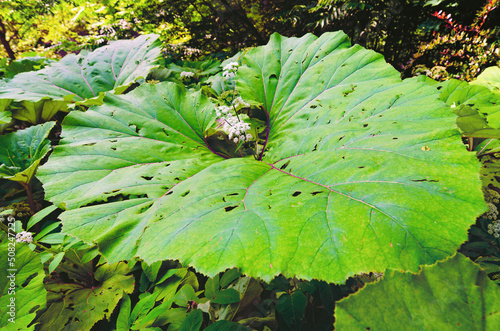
{"x": 5, "y": 42}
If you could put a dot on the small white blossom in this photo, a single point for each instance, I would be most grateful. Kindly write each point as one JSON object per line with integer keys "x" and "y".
{"x": 239, "y": 103}
{"x": 228, "y": 74}
{"x": 24, "y": 236}
{"x": 229, "y": 70}
{"x": 187, "y": 74}
{"x": 231, "y": 66}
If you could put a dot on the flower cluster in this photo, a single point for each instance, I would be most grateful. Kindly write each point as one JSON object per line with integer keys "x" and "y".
{"x": 229, "y": 70}
{"x": 24, "y": 236}
{"x": 187, "y": 74}
{"x": 235, "y": 128}
{"x": 494, "y": 229}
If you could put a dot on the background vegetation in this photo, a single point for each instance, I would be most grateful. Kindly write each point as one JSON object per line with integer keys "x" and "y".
{"x": 456, "y": 43}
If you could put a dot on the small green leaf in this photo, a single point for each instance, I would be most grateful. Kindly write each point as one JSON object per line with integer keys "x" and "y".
{"x": 185, "y": 294}
{"x": 226, "y": 326}
{"x": 123, "y": 320}
{"x": 146, "y": 303}
{"x": 228, "y": 277}
{"x": 291, "y": 308}
{"x": 212, "y": 287}
{"x": 193, "y": 321}
{"x": 55, "y": 262}
{"x": 40, "y": 216}
{"x": 227, "y": 296}
{"x": 47, "y": 230}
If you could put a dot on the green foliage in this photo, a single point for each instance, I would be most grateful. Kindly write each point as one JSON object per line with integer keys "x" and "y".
{"x": 454, "y": 294}
{"x": 150, "y": 173}
{"x": 461, "y": 51}
{"x": 334, "y": 112}
{"x": 22, "y": 151}
{"x": 81, "y": 78}
{"x": 489, "y": 78}
{"x": 20, "y": 302}
{"x": 87, "y": 297}
{"x": 9, "y": 70}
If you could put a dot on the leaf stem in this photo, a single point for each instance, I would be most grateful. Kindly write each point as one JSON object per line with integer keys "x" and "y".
{"x": 31, "y": 202}
{"x": 267, "y": 136}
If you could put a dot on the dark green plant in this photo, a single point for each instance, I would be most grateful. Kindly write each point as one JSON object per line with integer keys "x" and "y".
{"x": 463, "y": 51}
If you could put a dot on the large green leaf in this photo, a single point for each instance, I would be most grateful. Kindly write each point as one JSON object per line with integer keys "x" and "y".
{"x": 489, "y": 78}
{"x": 361, "y": 171}
{"x": 80, "y": 303}
{"x": 19, "y": 303}
{"x": 77, "y": 78}
{"x": 22, "y": 151}
{"x": 451, "y": 295}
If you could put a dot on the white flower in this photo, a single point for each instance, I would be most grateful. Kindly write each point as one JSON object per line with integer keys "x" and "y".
{"x": 239, "y": 103}
{"x": 24, "y": 236}
{"x": 187, "y": 74}
{"x": 229, "y": 70}
{"x": 235, "y": 140}
{"x": 228, "y": 74}
{"x": 231, "y": 66}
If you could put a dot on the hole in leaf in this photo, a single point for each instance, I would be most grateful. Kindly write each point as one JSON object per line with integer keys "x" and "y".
{"x": 425, "y": 180}
{"x": 315, "y": 147}
{"x": 316, "y": 192}
{"x": 233, "y": 194}
{"x": 169, "y": 193}
{"x": 285, "y": 165}
{"x": 27, "y": 281}
{"x": 365, "y": 125}
{"x": 313, "y": 106}
{"x": 296, "y": 193}
{"x": 395, "y": 138}
{"x": 143, "y": 209}
{"x": 229, "y": 208}
{"x": 147, "y": 177}
{"x": 185, "y": 193}
{"x": 361, "y": 167}
{"x": 113, "y": 141}
{"x": 89, "y": 144}
{"x": 32, "y": 310}
{"x": 113, "y": 148}
{"x": 269, "y": 206}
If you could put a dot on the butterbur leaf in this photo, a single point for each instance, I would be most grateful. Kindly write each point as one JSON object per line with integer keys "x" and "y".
{"x": 19, "y": 303}
{"x": 84, "y": 76}
{"x": 328, "y": 198}
{"x": 489, "y": 78}
{"x": 451, "y": 295}
{"x": 78, "y": 78}
{"x": 79, "y": 307}
{"x": 22, "y": 151}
